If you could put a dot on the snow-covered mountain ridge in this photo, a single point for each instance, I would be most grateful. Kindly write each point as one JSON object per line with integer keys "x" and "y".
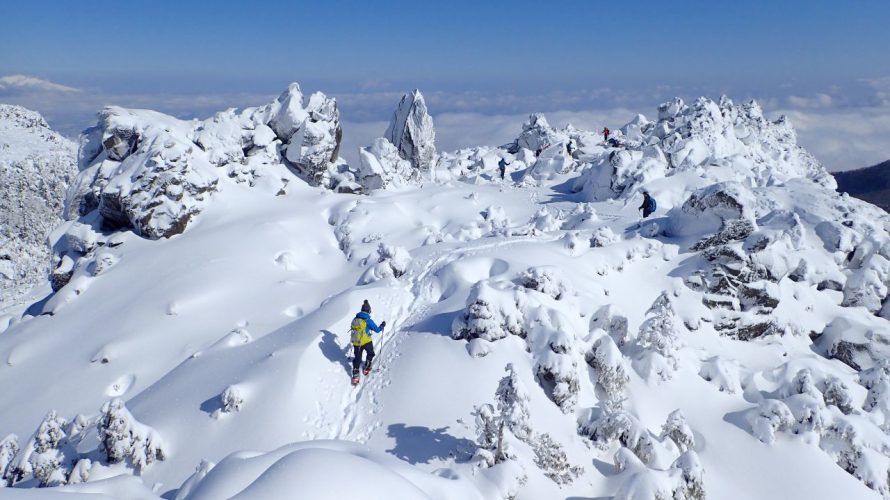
{"x": 36, "y": 165}
{"x": 543, "y": 342}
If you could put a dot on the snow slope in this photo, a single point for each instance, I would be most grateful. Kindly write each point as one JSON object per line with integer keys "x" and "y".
{"x": 541, "y": 342}
{"x": 36, "y": 166}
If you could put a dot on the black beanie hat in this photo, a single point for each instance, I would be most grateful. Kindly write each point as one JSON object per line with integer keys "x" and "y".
{"x": 366, "y": 307}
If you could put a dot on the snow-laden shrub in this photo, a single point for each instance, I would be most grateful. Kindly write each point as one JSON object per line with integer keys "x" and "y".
{"x": 581, "y": 217}
{"x": 828, "y": 390}
{"x": 620, "y": 426}
{"x": 232, "y": 399}
{"x": 659, "y": 341}
{"x": 125, "y": 438}
{"x": 548, "y": 280}
{"x": 392, "y": 262}
{"x": 495, "y": 221}
{"x": 724, "y": 373}
{"x": 877, "y": 381}
{"x": 836, "y": 393}
{"x": 544, "y": 221}
{"x": 769, "y": 417}
{"x": 492, "y": 313}
{"x": 611, "y": 370}
{"x": 552, "y": 460}
{"x": 573, "y": 242}
{"x": 603, "y": 236}
{"x": 803, "y": 383}
{"x": 868, "y": 286}
{"x": 682, "y": 481}
{"x": 41, "y": 457}
{"x": 677, "y": 430}
{"x": 808, "y": 411}
{"x": 610, "y": 319}
{"x": 9, "y": 448}
{"x": 847, "y": 444}
{"x": 80, "y": 473}
{"x": 558, "y": 374}
{"x": 691, "y": 477}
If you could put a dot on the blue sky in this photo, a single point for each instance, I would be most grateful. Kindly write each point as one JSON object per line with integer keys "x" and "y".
{"x": 493, "y": 58}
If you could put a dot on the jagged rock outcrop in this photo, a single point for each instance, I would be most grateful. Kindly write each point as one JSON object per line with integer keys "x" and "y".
{"x": 727, "y": 138}
{"x": 538, "y": 135}
{"x": 411, "y": 132}
{"x": 314, "y": 143}
{"x": 36, "y": 166}
{"x": 152, "y": 173}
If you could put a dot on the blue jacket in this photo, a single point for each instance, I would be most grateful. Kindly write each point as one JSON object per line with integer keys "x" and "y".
{"x": 370, "y": 322}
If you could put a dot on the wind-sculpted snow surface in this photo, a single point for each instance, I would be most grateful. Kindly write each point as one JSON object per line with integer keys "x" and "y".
{"x": 36, "y": 166}
{"x": 540, "y": 342}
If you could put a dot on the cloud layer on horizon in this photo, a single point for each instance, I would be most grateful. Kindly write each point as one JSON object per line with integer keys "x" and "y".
{"x": 843, "y": 129}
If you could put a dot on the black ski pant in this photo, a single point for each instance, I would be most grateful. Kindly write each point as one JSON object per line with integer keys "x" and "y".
{"x": 357, "y": 356}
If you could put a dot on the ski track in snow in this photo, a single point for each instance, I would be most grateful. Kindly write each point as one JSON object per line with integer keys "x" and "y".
{"x": 355, "y": 417}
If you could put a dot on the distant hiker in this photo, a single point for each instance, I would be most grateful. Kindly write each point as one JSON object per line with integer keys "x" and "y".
{"x": 502, "y": 167}
{"x": 570, "y": 148}
{"x": 648, "y": 206}
{"x": 605, "y": 134}
{"x": 360, "y": 334}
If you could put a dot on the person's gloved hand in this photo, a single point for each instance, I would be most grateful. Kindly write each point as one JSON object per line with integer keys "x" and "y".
{"x": 383, "y": 325}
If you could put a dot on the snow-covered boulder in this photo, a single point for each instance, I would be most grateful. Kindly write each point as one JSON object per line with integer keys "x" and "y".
{"x": 537, "y": 135}
{"x": 155, "y": 185}
{"x": 724, "y": 210}
{"x": 382, "y": 167}
{"x": 411, "y": 132}
{"x": 153, "y": 173}
{"x": 315, "y": 144}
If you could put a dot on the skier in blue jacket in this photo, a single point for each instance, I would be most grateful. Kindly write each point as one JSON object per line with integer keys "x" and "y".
{"x": 361, "y": 330}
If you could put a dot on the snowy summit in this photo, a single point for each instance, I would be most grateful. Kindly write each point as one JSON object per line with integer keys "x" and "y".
{"x": 542, "y": 338}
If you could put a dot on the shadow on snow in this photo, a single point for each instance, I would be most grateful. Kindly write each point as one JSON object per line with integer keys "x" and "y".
{"x": 417, "y": 444}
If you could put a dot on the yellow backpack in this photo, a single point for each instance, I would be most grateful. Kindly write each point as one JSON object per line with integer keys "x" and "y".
{"x": 358, "y": 331}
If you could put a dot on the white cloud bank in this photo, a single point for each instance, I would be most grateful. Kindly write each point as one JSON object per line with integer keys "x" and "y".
{"x": 24, "y": 83}
{"x": 841, "y": 133}
{"x": 841, "y": 138}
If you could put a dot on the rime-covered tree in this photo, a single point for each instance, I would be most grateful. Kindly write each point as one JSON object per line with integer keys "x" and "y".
{"x": 678, "y": 431}
{"x": 9, "y": 448}
{"x": 658, "y": 339}
{"x": 125, "y": 438}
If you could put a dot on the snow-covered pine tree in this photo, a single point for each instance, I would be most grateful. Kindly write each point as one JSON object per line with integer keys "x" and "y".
{"x": 611, "y": 375}
{"x": 509, "y": 418}
{"x": 659, "y": 341}
{"x": 125, "y": 438}
{"x": 512, "y": 402}
{"x": 9, "y": 448}
{"x": 551, "y": 458}
{"x": 678, "y": 431}
{"x": 45, "y": 461}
